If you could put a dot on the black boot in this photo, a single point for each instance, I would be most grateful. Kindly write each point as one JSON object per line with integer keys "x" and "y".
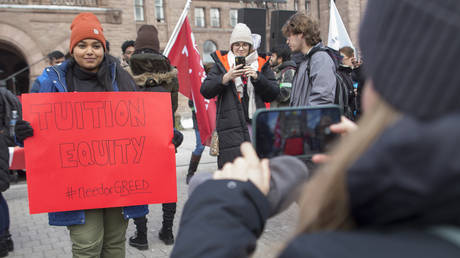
{"x": 194, "y": 160}
{"x": 9, "y": 242}
{"x": 139, "y": 240}
{"x": 3, "y": 247}
{"x": 166, "y": 234}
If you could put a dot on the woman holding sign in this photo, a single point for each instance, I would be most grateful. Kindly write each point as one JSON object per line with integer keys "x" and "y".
{"x": 98, "y": 232}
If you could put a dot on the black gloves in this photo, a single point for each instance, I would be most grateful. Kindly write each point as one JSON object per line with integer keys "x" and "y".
{"x": 23, "y": 130}
{"x": 178, "y": 138}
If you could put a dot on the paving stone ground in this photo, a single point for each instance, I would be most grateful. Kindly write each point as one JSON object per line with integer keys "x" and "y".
{"x": 33, "y": 237}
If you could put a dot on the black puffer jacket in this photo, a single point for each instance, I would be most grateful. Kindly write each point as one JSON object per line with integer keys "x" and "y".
{"x": 4, "y": 158}
{"x": 231, "y": 124}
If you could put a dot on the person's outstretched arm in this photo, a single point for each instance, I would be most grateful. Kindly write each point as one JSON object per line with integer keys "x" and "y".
{"x": 222, "y": 218}
{"x": 225, "y": 216}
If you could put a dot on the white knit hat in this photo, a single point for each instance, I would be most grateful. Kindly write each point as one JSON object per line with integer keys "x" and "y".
{"x": 241, "y": 33}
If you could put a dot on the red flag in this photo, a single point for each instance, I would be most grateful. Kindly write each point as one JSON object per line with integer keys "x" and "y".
{"x": 185, "y": 56}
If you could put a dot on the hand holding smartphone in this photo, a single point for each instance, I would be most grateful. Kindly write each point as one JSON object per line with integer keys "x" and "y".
{"x": 294, "y": 131}
{"x": 240, "y": 60}
{"x": 234, "y": 73}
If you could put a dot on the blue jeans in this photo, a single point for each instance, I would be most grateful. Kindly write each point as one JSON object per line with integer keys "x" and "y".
{"x": 4, "y": 216}
{"x": 198, "y": 146}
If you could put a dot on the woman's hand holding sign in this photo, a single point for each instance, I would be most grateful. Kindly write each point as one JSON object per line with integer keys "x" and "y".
{"x": 23, "y": 130}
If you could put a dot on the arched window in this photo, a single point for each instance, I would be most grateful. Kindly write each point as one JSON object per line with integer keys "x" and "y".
{"x": 208, "y": 47}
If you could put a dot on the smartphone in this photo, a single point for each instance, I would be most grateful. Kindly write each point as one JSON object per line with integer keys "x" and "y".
{"x": 240, "y": 60}
{"x": 294, "y": 131}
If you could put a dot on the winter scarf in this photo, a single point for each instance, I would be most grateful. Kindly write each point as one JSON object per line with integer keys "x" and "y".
{"x": 251, "y": 60}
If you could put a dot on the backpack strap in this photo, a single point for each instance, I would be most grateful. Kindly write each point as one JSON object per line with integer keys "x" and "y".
{"x": 310, "y": 82}
{"x": 310, "y": 56}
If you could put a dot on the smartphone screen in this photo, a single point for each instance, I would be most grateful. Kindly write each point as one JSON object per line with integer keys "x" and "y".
{"x": 240, "y": 60}
{"x": 299, "y": 132}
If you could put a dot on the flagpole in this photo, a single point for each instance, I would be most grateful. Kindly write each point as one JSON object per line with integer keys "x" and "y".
{"x": 177, "y": 28}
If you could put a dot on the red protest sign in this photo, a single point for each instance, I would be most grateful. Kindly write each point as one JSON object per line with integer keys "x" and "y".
{"x": 98, "y": 150}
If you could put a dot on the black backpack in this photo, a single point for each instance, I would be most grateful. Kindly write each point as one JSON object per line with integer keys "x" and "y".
{"x": 341, "y": 89}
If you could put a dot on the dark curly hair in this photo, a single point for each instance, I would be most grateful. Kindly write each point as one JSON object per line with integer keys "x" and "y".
{"x": 126, "y": 44}
{"x": 300, "y": 23}
{"x": 282, "y": 51}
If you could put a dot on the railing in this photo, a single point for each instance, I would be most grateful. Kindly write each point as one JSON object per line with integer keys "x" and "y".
{"x": 14, "y": 1}
{"x": 74, "y": 2}
{"x": 53, "y": 2}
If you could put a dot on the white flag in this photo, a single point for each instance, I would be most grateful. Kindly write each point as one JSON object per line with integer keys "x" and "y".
{"x": 338, "y": 36}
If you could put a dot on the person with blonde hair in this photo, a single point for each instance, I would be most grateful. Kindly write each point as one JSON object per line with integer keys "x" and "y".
{"x": 396, "y": 194}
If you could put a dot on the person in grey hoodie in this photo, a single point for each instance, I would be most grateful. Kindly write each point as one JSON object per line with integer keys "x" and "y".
{"x": 314, "y": 82}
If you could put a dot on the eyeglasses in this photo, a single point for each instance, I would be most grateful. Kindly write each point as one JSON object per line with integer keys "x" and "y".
{"x": 243, "y": 45}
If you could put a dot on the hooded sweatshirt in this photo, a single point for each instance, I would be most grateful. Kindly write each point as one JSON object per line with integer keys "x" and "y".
{"x": 319, "y": 87}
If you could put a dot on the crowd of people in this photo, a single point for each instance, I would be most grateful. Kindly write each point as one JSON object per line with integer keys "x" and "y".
{"x": 388, "y": 188}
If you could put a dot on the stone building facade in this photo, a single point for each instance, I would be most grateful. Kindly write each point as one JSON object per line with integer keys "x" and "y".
{"x": 29, "y": 29}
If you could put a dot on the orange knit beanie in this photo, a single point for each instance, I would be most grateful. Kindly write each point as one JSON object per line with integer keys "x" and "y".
{"x": 86, "y": 26}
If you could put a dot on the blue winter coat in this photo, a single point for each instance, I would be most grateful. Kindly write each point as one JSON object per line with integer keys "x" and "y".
{"x": 53, "y": 79}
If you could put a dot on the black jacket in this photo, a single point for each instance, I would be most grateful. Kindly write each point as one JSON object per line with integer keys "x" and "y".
{"x": 358, "y": 75}
{"x": 414, "y": 179}
{"x": 284, "y": 73}
{"x": 8, "y": 103}
{"x": 231, "y": 124}
{"x": 345, "y": 73}
{"x": 153, "y": 70}
{"x": 222, "y": 218}
{"x": 110, "y": 71}
{"x": 4, "y": 164}
{"x": 405, "y": 183}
